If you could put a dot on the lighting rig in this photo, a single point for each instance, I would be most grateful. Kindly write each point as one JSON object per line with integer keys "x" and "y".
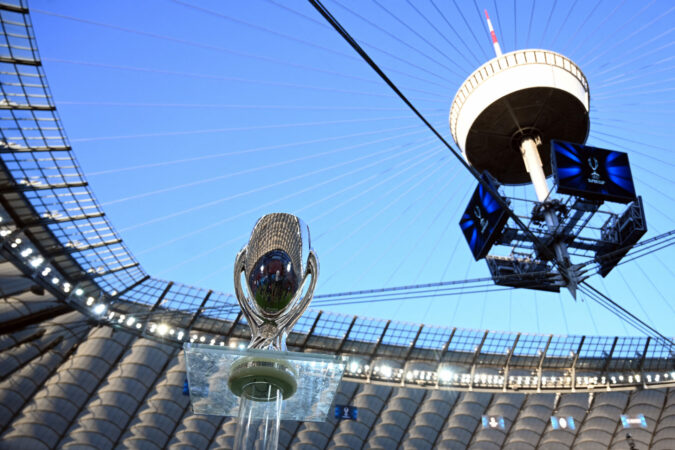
{"x": 590, "y": 184}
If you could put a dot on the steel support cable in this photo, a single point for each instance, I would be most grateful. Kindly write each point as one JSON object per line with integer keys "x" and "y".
{"x": 417, "y": 158}
{"x": 385, "y": 228}
{"x": 548, "y": 21}
{"x": 644, "y": 252}
{"x": 499, "y": 24}
{"x": 396, "y": 38}
{"x": 224, "y": 106}
{"x": 655, "y": 287}
{"x": 258, "y": 27}
{"x": 293, "y": 38}
{"x": 624, "y": 317}
{"x": 657, "y": 50}
{"x": 435, "y": 151}
{"x": 649, "y": 251}
{"x": 207, "y": 46}
{"x": 431, "y": 24}
{"x": 491, "y": 288}
{"x": 459, "y": 37}
{"x": 555, "y": 38}
{"x": 515, "y": 26}
{"x": 632, "y": 150}
{"x": 450, "y": 222}
{"x": 612, "y": 35}
{"x": 595, "y": 29}
{"x": 258, "y": 207}
{"x": 439, "y": 292}
{"x": 529, "y": 25}
{"x": 397, "y": 220}
{"x": 406, "y": 167}
{"x": 227, "y": 78}
{"x": 247, "y": 151}
{"x": 244, "y": 236}
{"x": 425, "y": 40}
{"x": 265, "y": 167}
{"x": 247, "y": 128}
{"x": 470, "y": 28}
{"x": 391, "y": 55}
{"x": 423, "y": 234}
{"x": 607, "y": 122}
{"x": 391, "y": 203}
{"x": 336, "y": 25}
{"x": 632, "y": 292}
{"x": 617, "y": 309}
{"x": 637, "y": 93}
{"x": 637, "y": 76}
{"x": 439, "y": 284}
{"x": 610, "y": 79}
{"x": 616, "y": 43}
{"x": 291, "y": 195}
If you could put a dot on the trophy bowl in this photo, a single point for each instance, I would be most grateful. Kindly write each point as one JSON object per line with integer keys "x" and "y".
{"x": 277, "y": 263}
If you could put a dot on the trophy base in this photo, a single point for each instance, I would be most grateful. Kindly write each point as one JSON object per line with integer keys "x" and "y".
{"x": 220, "y": 378}
{"x": 256, "y": 376}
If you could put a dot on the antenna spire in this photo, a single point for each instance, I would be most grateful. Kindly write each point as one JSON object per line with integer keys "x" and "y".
{"x": 495, "y": 43}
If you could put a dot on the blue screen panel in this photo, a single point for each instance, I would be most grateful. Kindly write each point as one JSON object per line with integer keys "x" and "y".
{"x": 345, "y": 412}
{"x": 483, "y": 220}
{"x": 592, "y": 173}
{"x": 493, "y": 422}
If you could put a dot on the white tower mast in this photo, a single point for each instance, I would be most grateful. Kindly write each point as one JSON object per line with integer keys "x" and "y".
{"x": 515, "y": 104}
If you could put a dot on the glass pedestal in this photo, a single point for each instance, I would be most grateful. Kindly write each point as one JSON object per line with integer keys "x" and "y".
{"x": 261, "y": 387}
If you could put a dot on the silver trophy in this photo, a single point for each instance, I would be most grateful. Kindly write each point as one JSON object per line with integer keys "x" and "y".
{"x": 265, "y": 382}
{"x": 276, "y": 263}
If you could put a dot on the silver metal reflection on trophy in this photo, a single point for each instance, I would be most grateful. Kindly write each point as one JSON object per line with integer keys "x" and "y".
{"x": 277, "y": 263}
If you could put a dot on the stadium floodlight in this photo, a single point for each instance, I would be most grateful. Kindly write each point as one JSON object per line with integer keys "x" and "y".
{"x": 37, "y": 261}
{"x": 99, "y": 309}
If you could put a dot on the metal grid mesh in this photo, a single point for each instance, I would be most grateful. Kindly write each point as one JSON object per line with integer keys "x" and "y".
{"x": 35, "y": 151}
{"x": 400, "y": 334}
{"x": 367, "y": 330}
{"x": 433, "y": 338}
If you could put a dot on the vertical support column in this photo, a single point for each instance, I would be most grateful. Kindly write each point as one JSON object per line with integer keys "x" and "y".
{"x": 530, "y": 154}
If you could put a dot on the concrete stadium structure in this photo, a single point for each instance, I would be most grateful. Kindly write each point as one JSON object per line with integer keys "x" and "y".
{"x": 90, "y": 345}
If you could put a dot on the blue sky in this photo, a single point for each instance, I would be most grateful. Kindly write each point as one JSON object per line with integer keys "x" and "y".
{"x": 193, "y": 119}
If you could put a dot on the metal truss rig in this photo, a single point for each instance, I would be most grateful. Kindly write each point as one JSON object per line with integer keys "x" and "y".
{"x": 53, "y": 230}
{"x": 618, "y": 233}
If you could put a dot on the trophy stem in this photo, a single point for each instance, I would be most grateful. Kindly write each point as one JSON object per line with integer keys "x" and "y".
{"x": 262, "y": 432}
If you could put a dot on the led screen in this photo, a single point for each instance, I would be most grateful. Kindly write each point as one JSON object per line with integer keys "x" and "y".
{"x": 346, "y": 412}
{"x": 483, "y": 220}
{"x": 637, "y": 421}
{"x": 592, "y": 173}
{"x": 493, "y": 422}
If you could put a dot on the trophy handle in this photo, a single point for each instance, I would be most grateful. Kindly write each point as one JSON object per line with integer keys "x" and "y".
{"x": 301, "y": 306}
{"x": 242, "y": 298}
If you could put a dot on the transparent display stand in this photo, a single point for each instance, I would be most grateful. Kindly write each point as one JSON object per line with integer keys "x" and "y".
{"x": 210, "y": 369}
